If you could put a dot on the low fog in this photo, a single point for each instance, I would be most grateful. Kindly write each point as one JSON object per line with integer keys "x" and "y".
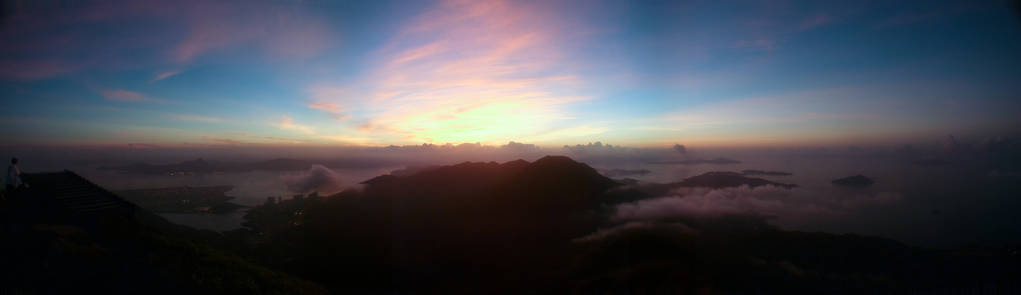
{"x": 318, "y": 179}
{"x": 942, "y": 192}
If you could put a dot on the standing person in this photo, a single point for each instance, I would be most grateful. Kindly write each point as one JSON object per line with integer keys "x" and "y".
{"x": 13, "y": 179}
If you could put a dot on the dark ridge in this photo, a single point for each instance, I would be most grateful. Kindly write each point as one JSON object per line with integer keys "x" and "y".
{"x": 380, "y": 180}
{"x": 516, "y": 164}
{"x": 625, "y": 172}
{"x": 561, "y": 170}
{"x": 854, "y": 181}
{"x": 68, "y": 195}
{"x": 571, "y": 183}
{"x": 66, "y": 235}
{"x": 518, "y": 227}
{"x": 765, "y": 172}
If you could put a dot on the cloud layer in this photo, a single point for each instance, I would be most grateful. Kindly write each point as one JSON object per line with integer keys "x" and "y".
{"x": 318, "y": 178}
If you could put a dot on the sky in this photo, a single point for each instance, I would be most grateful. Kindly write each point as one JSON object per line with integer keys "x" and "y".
{"x": 551, "y": 73}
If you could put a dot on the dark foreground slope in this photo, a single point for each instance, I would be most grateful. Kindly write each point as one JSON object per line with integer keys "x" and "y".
{"x": 65, "y": 235}
{"x": 548, "y": 227}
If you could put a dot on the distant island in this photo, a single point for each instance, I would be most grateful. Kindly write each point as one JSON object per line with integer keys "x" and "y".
{"x": 764, "y": 172}
{"x": 854, "y": 181}
{"x": 183, "y": 199}
{"x": 624, "y": 172}
{"x": 727, "y": 179}
{"x": 714, "y": 161}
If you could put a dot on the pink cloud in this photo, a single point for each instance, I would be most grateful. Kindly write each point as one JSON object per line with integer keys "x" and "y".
{"x": 222, "y": 140}
{"x": 124, "y": 95}
{"x": 324, "y": 100}
{"x": 468, "y": 71}
{"x": 287, "y": 123}
{"x": 165, "y": 75}
{"x": 332, "y": 109}
{"x": 328, "y": 107}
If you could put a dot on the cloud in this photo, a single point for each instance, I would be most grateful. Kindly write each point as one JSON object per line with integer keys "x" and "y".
{"x": 635, "y": 225}
{"x": 286, "y": 123}
{"x": 222, "y": 140}
{"x": 317, "y": 178}
{"x": 197, "y": 118}
{"x": 293, "y": 33}
{"x": 701, "y": 202}
{"x": 679, "y": 148}
{"x": 125, "y": 95}
{"x": 467, "y": 71}
{"x": 520, "y": 147}
{"x": 165, "y": 75}
{"x": 348, "y": 139}
{"x": 762, "y": 201}
{"x": 567, "y": 133}
{"x": 327, "y": 99}
{"x": 330, "y": 108}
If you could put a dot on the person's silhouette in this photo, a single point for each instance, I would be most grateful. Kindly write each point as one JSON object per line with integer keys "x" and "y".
{"x": 13, "y": 179}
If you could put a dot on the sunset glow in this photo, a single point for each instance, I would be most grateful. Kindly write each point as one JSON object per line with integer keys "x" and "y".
{"x": 550, "y": 73}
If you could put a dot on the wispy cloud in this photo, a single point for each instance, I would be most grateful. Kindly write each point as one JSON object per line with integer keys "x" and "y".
{"x": 466, "y": 71}
{"x": 325, "y": 99}
{"x": 197, "y": 118}
{"x": 125, "y": 96}
{"x": 222, "y": 140}
{"x": 325, "y": 106}
{"x": 286, "y": 123}
{"x": 292, "y": 33}
{"x": 165, "y": 75}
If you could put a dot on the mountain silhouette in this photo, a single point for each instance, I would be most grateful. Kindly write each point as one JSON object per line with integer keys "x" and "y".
{"x": 854, "y": 181}
{"x": 64, "y": 234}
{"x": 546, "y": 226}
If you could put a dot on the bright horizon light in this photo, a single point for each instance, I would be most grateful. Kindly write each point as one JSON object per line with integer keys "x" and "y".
{"x": 550, "y": 73}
